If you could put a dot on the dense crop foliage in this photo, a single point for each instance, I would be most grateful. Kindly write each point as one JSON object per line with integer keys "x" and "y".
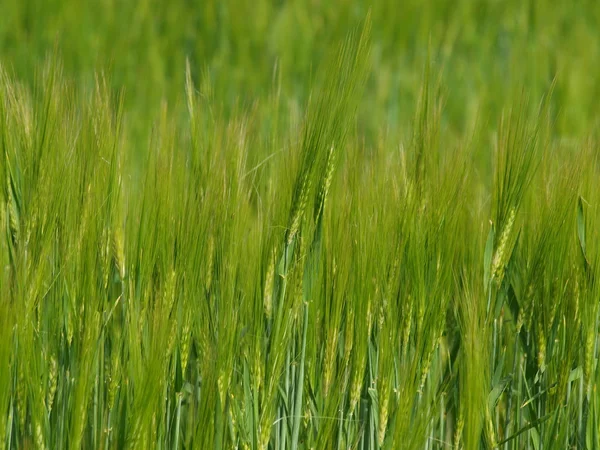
{"x": 299, "y": 225}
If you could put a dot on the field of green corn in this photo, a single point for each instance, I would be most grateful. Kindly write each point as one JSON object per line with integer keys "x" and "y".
{"x": 269, "y": 225}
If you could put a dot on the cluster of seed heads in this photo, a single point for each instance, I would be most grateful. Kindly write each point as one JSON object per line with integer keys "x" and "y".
{"x": 329, "y": 362}
{"x": 118, "y": 251}
{"x": 222, "y": 386}
{"x": 348, "y": 336}
{"x": 13, "y": 215}
{"x": 425, "y": 371}
{"x": 383, "y": 410}
{"x": 185, "y": 343}
{"x": 383, "y": 311}
{"x": 306, "y": 416}
{"x": 406, "y": 329}
{"x": 326, "y": 182}
{"x": 357, "y": 380}
{"x": 541, "y": 346}
{"x": 52, "y": 381}
{"x": 501, "y": 255}
{"x": 589, "y": 354}
{"x": 460, "y": 424}
{"x": 264, "y": 434}
{"x": 39, "y": 436}
{"x": 258, "y": 370}
{"x": 113, "y": 382}
{"x": 105, "y": 254}
{"x": 420, "y": 315}
{"x": 268, "y": 291}
{"x": 169, "y": 291}
{"x": 298, "y": 208}
{"x": 171, "y": 340}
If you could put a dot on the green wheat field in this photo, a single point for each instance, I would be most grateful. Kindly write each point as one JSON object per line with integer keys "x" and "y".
{"x": 269, "y": 225}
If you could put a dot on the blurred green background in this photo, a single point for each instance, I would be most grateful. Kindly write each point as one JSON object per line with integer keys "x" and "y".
{"x": 485, "y": 51}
